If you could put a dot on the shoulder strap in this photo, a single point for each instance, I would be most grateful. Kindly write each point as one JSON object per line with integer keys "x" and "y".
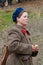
{"x": 5, "y": 55}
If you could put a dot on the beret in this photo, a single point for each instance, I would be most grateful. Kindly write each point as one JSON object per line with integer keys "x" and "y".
{"x": 16, "y": 13}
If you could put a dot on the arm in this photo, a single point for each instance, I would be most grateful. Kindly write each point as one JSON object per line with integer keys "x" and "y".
{"x": 16, "y": 45}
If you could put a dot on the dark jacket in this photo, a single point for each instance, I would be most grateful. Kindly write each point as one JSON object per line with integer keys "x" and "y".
{"x": 3, "y": 1}
{"x": 19, "y": 45}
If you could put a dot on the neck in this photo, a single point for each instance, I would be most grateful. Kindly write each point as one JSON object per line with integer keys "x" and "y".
{"x": 21, "y": 24}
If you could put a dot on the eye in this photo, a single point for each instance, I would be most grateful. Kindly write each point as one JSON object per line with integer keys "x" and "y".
{"x": 24, "y": 16}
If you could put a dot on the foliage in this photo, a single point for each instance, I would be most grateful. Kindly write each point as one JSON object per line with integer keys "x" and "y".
{"x": 5, "y": 20}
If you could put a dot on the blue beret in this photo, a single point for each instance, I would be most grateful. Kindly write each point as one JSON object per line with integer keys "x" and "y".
{"x": 16, "y": 13}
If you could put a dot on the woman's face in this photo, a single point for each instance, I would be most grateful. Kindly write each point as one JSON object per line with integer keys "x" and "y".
{"x": 23, "y": 19}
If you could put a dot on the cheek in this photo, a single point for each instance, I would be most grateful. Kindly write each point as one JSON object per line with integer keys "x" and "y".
{"x": 23, "y": 19}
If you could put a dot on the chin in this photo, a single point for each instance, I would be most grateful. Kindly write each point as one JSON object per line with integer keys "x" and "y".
{"x": 24, "y": 24}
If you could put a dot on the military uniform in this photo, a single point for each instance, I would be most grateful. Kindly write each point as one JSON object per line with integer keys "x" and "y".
{"x": 20, "y": 47}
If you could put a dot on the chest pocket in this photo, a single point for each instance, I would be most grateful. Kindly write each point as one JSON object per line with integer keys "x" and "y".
{"x": 27, "y": 36}
{"x": 26, "y": 39}
{"x": 23, "y": 39}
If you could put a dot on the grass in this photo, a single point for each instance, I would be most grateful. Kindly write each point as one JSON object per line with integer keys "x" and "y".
{"x": 5, "y": 20}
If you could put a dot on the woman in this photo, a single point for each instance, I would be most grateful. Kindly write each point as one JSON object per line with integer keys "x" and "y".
{"x": 20, "y": 45}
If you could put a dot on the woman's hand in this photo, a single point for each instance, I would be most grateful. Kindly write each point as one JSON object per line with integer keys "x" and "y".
{"x": 35, "y": 48}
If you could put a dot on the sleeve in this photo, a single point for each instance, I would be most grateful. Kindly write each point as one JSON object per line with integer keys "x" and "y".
{"x": 15, "y": 44}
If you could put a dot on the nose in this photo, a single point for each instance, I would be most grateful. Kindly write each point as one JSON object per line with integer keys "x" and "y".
{"x": 26, "y": 18}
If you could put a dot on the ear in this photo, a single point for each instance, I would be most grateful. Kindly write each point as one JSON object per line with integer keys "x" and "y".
{"x": 17, "y": 19}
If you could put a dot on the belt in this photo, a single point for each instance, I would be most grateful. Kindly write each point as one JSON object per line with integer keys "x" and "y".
{"x": 24, "y": 54}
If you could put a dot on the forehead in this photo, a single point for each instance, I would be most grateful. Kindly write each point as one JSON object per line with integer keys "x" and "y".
{"x": 24, "y": 14}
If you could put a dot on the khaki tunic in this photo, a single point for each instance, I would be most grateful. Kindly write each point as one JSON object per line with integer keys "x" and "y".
{"x": 19, "y": 46}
